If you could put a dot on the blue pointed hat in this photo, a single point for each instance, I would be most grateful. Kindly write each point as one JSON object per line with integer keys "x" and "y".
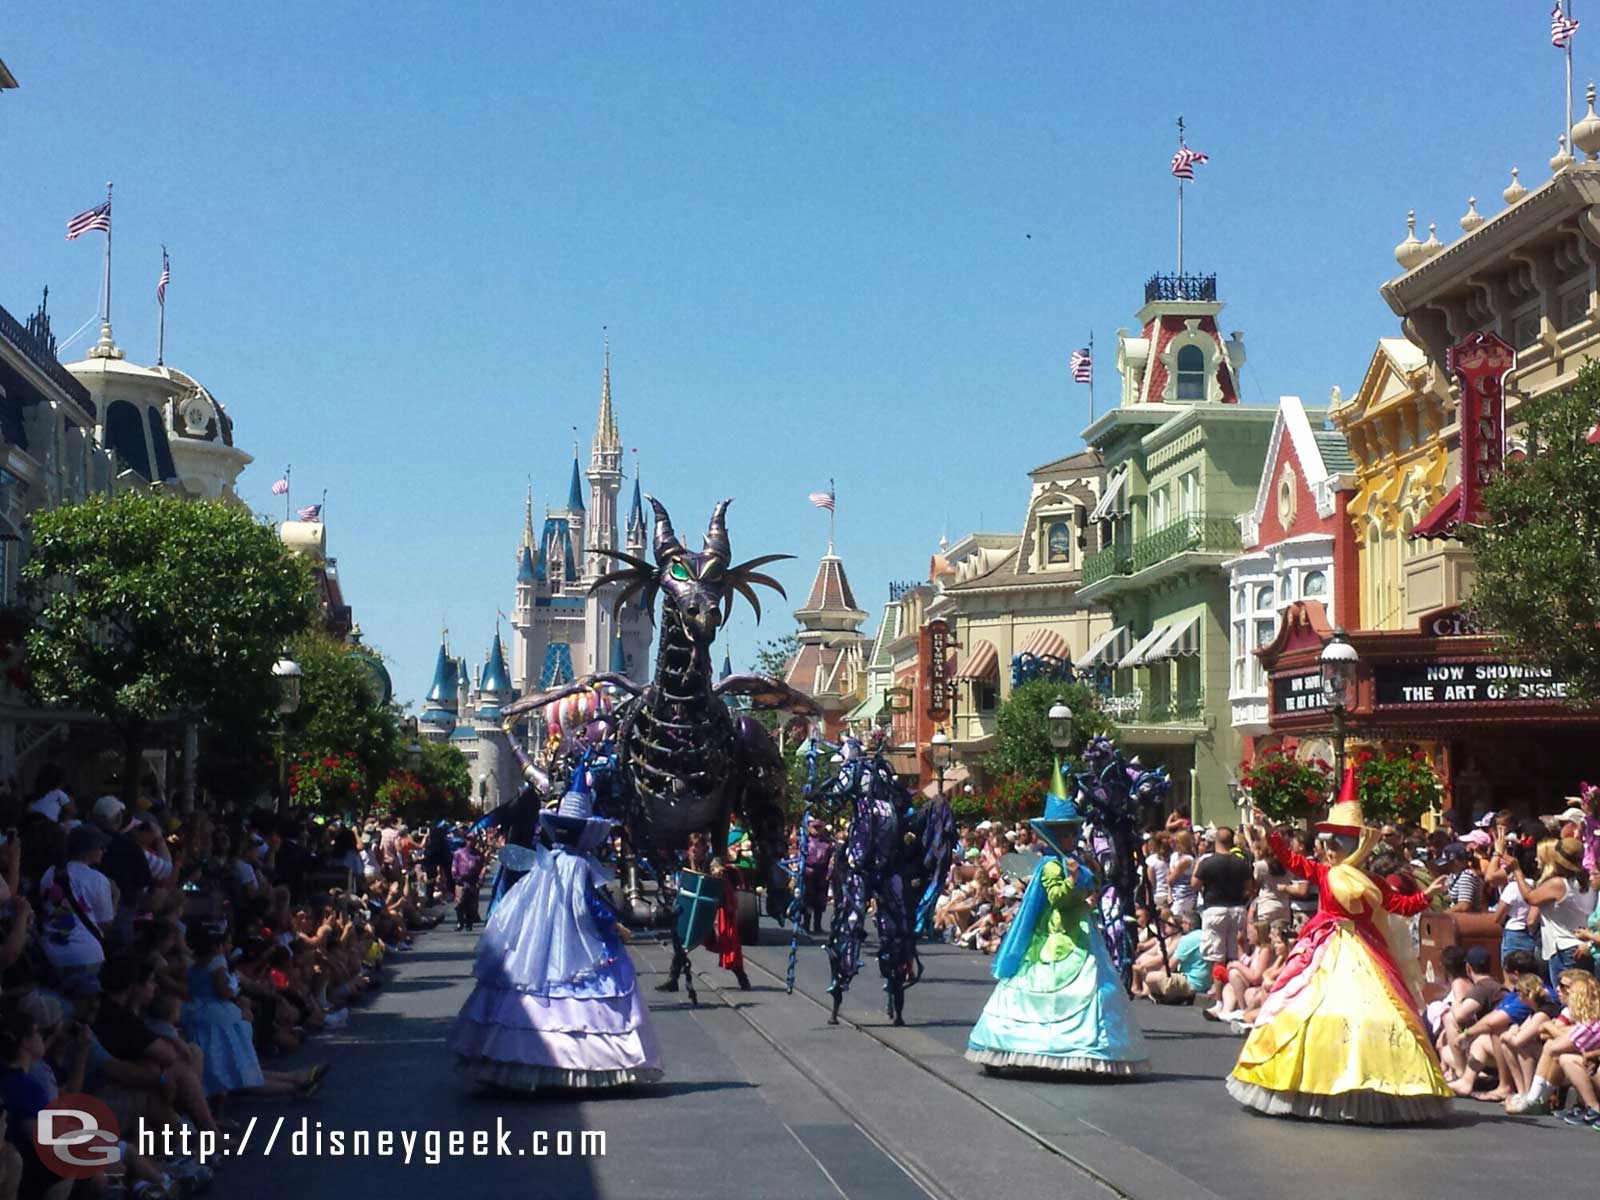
{"x": 1060, "y": 813}
{"x": 573, "y": 823}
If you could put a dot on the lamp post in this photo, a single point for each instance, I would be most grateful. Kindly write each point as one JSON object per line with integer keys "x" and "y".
{"x": 414, "y": 749}
{"x": 939, "y": 755}
{"x": 1060, "y": 719}
{"x": 286, "y": 673}
{"x": 1339, "y": 661}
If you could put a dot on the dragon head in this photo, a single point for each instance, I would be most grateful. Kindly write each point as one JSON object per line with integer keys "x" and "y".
{"x": 697, "y": 590}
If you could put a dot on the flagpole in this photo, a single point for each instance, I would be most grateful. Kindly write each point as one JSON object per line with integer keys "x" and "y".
{"x": 161, "y": 327}
{"x": 832, "y": 514}
{"x": 1180, "y": 204}
{"x": 1091, "y": 377}
{"x": 1568, "y": 6}
{"x": 288, "y": 489}
{"x": 322, "y": 509}
{"x": 106, "y": 316}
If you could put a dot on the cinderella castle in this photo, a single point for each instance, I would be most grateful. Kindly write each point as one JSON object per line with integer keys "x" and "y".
{"x": 559, "y": 631}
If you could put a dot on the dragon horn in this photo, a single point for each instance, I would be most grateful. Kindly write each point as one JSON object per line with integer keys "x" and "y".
{"x": 716, "y": 541}
{"x": 667, "y": 543}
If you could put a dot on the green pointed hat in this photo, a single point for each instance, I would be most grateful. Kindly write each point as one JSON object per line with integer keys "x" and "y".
{"x": 1060, "y": 813}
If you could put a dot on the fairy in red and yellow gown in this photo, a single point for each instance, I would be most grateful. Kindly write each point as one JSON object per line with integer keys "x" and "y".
{"x": 1340, "y": 1037}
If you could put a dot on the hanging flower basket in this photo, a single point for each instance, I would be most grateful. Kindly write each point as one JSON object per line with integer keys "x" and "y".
{"x": 1284, "y": 788}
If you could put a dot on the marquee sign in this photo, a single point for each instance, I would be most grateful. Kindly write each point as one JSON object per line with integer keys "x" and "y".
{"x": 1465, "y": 683}
{"x": 1298, "y": 693}
{"x": 1480, "y": 363}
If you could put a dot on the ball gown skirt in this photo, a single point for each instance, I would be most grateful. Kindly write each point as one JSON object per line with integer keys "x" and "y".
{"x": 1338, "y": 1038}
{"x": 557, "y": 1002}
{"x": 1071, "y": 1014}
{"x": 225, "y": 1038}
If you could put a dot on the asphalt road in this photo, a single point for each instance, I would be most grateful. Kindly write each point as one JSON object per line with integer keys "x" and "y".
{"x": 764, "y": 1099}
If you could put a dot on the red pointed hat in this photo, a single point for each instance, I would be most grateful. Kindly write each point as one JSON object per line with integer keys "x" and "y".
{"x": 1345, "y": 815}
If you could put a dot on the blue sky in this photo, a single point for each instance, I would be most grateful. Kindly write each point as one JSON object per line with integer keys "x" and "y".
{"x": 843, "y": 240}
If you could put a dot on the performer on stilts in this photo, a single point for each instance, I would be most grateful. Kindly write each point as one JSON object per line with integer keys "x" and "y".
{"x": 1060, "y": 1003}
{"x": 1340, "y": 1036}
{"x": 557, "y": 1002}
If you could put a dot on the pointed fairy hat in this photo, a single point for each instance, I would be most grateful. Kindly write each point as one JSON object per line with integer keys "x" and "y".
{"x": 1345, "y": 815}
{"x": 1060, "y": 813}
{"x": 573, "y": 822}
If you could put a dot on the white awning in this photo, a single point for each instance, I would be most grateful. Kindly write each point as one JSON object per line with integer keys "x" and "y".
{"x": 1110, "y": 647}
{"x": 1114, "y": 501}
{"x": 1135, "y": 657}
{"x": 1182, "y": 639}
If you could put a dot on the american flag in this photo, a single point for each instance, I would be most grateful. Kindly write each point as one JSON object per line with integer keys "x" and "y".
{"x": 1184, "y": 160}
{"x": 311, "y": 512}
{"x": 1082, "y": 366}
{"x": 161, "y": 284}
{"x": 823, "y": 500}
{"x": 98, "y": 217}
{"x": 281, "y": 488}
{"x": 1562, "y": 28}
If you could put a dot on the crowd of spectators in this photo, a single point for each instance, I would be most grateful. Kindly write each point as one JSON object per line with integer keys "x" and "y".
{"x": 161, "y": 961}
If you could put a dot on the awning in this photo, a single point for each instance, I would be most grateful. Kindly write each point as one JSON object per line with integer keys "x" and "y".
{"x": 983, "y": 662}
{"x": 1182, "y": 638}
{"x": 1113, "y": 502}
{"x": 868, "y": 709}
{"x": 1442, "y": 518}
{"x": 1110, "y": 647}
{"x": 1140, "y": 648}
{"x": 1046, "y": 642}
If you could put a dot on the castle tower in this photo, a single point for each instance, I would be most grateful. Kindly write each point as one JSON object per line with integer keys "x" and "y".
{"x": 577, "y": 516}
{"x": 829, "y": 664}
{"x": 638, "y": 536}
{"x": 605, "y": 478}
{"x": 522, "y": 610}
{"x": 442, "y": 704}
{"x": 496, "y": 768}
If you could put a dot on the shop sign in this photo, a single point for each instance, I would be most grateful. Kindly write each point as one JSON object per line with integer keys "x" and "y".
{"x": 1298, "y": 693}
{"x": 1480, "y": 363}
{"x": 938, "y": 670}
{"x": 1449, "y": 622}
{"x": 1464, "y": 683}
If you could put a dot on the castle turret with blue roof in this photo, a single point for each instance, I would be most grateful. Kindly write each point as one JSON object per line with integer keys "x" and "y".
{"x": 441, "y": 706}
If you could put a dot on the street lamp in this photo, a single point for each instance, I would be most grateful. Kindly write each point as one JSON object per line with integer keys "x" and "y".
{"x": 1339, "y": 660}
{"x": 286, "y": 674}
{"x": 939, "y": 754}
{"x": 414, "y": 750}
{"x": 1060, "y": 718}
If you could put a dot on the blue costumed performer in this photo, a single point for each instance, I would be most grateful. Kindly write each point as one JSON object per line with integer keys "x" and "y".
{"x": 1060, "y": 1005}
{"x": 557, "y": 1003}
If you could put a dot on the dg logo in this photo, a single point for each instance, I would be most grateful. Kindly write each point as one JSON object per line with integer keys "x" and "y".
{"x": 77, "y": 1136}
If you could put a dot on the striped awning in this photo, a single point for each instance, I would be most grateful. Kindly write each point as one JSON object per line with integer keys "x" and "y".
{"x": 1180, "y": 640}
{"x": 1114, "y": 500}
{"x": 1135, "y": 657}
{"x": 1442, "y": 518}
{"x": 983, "y": 662}
{"x": 1046, "y": 641}
{"x": 1108, "y": 648}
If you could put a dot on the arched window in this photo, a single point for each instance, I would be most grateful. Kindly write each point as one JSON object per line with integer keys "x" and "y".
{"x": 1315, "y": 584}
{"x": 1264, "y": 597}
{"x": 1377, "y": 590}
{"x": 1191, "y": 373}
{"x": 125, "y": 436}
{"x": 1058, "y": 543}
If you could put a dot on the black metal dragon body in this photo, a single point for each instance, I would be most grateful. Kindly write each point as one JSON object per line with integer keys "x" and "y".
{"x": 684, "y": 763}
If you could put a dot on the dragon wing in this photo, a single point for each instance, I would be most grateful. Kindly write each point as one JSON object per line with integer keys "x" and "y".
{"x": 766, "y": 692}
{"x": 587, "y": 683}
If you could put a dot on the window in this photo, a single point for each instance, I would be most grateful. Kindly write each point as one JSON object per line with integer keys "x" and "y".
{"x": 1238, "y": 600}
{"x": 125, "y": 435}
{"x": 1285, "y": 588}
{"x": 1574, "y": 306}
{"x": 1191, "y": 373}
{"x": 986, "y": 697}
{"x": 1525, "y": 328}
{"x": 1263, "y": 596}
{"x": 1188, "y": 493}
{"x": 1376, "y": 587}
{"x": 1158, "y": 509}
{"x": 1241, "y": 655}
{"x": 1265, "y": 632}
{"x": 1058, "y": 544}
{"x": 1314, "y": 584}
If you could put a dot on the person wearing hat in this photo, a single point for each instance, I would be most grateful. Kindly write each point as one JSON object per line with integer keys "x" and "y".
{"x": 819, "y": 873}
{"x": 1060, "y": 1003}
{"x": 557, "y": 1002}
{"x": 1340, "y": 1036}
{"x": 1565, "y": 900}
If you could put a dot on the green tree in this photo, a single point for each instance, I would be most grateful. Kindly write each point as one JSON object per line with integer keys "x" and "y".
{"x": 446, "y": 782}
{"x": 339, "y": 712}
{"x": 152, "y": 607}
{"x": 1022, "y": 728}
{"x": 1538, "y": 551}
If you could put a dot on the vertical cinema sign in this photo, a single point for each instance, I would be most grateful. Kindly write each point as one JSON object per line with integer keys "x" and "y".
{"x": 937, "y": 669}
{"x": 1480, "y": 364}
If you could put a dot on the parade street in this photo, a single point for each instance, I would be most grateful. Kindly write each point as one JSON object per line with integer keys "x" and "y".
{"x": 763, "y": 1099}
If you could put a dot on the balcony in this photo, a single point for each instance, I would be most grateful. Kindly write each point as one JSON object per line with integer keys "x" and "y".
{"x": 1219, "y": 535}
{"x": 1102, "y": 564}
{"x": 1180, "y": 287}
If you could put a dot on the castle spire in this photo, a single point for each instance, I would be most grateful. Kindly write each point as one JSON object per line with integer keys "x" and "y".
{"x": 606, "y": 438}
{"x": 575, "y": 491}
{"x": 527, "y": 521}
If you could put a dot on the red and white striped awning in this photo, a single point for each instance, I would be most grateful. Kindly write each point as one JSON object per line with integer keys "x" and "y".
{"x": 983, "y": 662}
{"x": 1046, "y": 641}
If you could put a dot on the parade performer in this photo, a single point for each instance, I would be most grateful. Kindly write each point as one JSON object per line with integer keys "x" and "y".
{"x": 557, "y": 1002}
{"x": 1060, "y": 1003}
{"x": 720, "y": 930}
{"x": 1339, "y": 1037}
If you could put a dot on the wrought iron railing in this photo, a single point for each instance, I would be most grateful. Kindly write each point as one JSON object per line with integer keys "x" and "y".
{"x": 1135, "y": 708}
{"x": 1196, "y": 532}
{"x": 17, "y": 334}
{"x": 1180, "y": 287}
{"x": 1102, "y": 564}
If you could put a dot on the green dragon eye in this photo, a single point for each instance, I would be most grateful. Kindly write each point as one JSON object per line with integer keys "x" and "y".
{"x": 679, "y": 572}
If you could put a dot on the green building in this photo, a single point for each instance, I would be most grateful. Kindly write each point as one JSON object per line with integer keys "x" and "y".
{"x": 1183, "y": 458}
